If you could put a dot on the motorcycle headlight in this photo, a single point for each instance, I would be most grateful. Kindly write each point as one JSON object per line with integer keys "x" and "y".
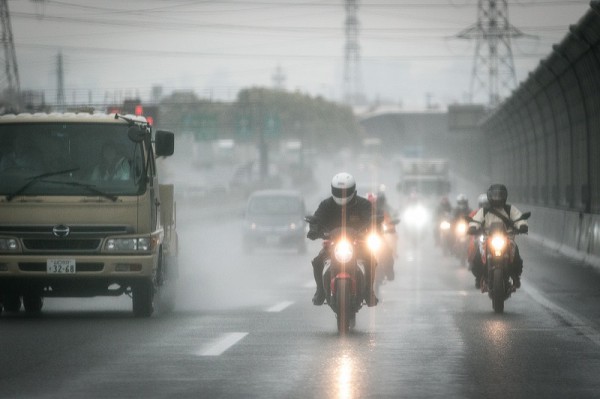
{"x": 343, "y": 251}
{"x": 498, "y": 243}
{"x": 374, "y": 242}
{"x": 130, "y": 244}
{"x": 461, "y": 228}
{"x": 445, "y": 225}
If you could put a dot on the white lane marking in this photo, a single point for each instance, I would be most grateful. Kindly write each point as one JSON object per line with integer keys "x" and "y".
{"x": 280, "y": 306}
{"x": 219, "y": 346}
{"x": 580, "y": 324}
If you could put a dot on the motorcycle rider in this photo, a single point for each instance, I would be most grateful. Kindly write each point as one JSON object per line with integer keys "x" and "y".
{"x": 462, "y": 208}
{"x": 474, "y": 253}
{"x": 443, "y": 209}
{"x": 343, "y": 209}
{"x": 500, "y": 211}
{"x": 381, "y": 207}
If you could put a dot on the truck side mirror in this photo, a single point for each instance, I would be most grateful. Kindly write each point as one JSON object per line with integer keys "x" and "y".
{"x": 165, "y": 143}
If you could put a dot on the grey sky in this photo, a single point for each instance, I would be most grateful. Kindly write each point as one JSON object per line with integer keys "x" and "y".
{"x": 217, "y": 47}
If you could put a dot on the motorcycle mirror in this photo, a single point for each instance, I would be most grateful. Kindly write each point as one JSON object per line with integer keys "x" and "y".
{"x": 524, "y": 216}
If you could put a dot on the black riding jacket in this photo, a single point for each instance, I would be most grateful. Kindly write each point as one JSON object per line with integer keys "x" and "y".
{"x": 329, "y": 215}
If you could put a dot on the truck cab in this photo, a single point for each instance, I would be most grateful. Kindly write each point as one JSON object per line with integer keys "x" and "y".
{"x": 82, "y": 210}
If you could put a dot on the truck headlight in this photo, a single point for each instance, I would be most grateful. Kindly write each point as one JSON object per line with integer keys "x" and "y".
{"x": 133, "y": 244}
{"x": 9, "y": 245}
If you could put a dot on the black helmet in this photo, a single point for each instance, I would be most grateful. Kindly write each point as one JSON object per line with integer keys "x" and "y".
{"x": 497, "y": 195}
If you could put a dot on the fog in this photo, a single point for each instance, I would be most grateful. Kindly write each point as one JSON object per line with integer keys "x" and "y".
{"x": 215, "y": 272}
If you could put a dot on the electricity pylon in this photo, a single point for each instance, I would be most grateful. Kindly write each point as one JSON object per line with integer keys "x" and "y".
{"x": 10, "y": 86}
{"x": 493, "y": 65}
{"x": 352, "y": 79}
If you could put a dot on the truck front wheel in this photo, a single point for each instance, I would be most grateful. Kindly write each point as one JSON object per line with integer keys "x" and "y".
{"x": 33, "y": 302}
{"x": 143, "y": 299}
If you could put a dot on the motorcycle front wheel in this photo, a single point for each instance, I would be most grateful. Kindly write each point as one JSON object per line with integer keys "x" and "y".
{"x": 498, "y": 291}
{"x": 345, "y": 313}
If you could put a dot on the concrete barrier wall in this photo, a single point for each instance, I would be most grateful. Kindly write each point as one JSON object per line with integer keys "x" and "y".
{"x": 573, "y": 234}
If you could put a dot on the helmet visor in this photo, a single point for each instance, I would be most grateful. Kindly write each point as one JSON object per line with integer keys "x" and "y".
{"x": 343, "y": 192}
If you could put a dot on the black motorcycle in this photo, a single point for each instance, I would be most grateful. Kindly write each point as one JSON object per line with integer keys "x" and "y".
{"x": 344, "y": 273}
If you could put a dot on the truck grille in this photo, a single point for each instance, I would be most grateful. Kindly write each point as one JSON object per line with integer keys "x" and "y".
{"x": 62, "y": 245}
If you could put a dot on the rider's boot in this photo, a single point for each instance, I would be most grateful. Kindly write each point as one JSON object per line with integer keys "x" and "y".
{"x": 370, "y": 297}
{"x": 516, "y": 279}
{"x": 319, "y": 296}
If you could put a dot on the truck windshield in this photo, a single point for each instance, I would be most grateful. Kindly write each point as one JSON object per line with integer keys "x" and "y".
{"x": 73, "y": 159}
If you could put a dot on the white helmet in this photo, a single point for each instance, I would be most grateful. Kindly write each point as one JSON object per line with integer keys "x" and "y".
{"x": 482, "y": 200}
{"x": 343, "y": 188}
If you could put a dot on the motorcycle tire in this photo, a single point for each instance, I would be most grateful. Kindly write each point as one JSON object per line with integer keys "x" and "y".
{"x": 498, "y": 291}
{"x": 344, "y": 304}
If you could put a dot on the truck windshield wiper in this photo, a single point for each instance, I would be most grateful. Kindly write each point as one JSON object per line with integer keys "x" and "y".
{"x": 35, "y": 179}
{"x": 90, "y": 187}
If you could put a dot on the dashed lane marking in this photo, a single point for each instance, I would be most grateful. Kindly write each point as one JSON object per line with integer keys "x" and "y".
{"x": 226, "y": 341}
{"x": 280, "y": 306}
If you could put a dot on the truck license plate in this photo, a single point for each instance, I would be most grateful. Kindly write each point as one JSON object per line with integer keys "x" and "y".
{"x": 60, "y": 266}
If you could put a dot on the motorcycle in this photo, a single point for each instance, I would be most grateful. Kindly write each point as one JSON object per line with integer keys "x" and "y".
{"x": 445, "y": 234}
{"x": 497, "y": 250}
{"x": 344, "y": 273}
{"x": 461, "y": 241}
{"x": 386, "y": 254}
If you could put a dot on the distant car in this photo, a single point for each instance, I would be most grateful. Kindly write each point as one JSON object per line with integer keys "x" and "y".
{"x": 275, "y": 218}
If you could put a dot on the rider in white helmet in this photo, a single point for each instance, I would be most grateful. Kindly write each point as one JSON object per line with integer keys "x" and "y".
{"x": 343, "y": 208}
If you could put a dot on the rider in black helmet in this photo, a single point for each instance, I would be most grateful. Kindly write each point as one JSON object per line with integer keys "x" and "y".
{"x": 497, "y": 195}
{"x": 343, "y": 208}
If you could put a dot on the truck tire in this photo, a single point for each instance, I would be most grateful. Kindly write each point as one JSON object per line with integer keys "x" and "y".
{"x": 12, "y": 303}
{"x": 33, "y": 303}
{"x": 143, "y": 299}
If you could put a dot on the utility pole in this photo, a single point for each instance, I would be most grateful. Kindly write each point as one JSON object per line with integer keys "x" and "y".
{"x": 60, "y": 83}
{"x": 278, "y": 79}
{"x": 493, "y": 65}
{"x": 352, "y": 79}
{"x": 10, "y": 85}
